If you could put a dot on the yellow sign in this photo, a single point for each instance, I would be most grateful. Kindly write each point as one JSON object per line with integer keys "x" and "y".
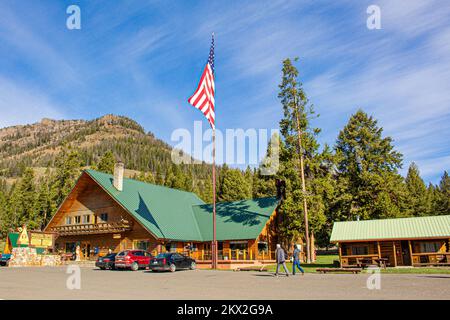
{"x": 116, "y": 236}
{"x": 41, "y": 240}
{"x": 23, "y": 237}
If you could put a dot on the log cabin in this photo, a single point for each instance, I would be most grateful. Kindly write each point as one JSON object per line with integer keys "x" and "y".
{"x": 415, "y": 241}
{"x": 109, "y": 212}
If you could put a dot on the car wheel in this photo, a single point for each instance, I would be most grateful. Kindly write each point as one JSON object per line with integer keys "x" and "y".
{"x": 193, "y": 265}
{"x": 172, "y": 267}
{"x": 103, "y": 268}
{"x": 134, "y": 266}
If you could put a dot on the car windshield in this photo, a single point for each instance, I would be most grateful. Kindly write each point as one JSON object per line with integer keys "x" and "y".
{"x": 163, "y": 255}
{"x": 111, "y": 255}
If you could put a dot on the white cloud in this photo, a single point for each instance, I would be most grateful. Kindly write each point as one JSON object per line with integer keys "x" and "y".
{"x": 21, "y": 105}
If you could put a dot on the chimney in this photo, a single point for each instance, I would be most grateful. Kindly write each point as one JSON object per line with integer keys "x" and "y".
{"x": 119, "y": 168}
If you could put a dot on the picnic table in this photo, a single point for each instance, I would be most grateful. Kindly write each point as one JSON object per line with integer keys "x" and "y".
{"x": 365, "y": 262}
{"x": 382, "y": 262}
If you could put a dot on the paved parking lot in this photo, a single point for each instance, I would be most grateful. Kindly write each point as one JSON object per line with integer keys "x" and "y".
{"x": 50, "y": 283}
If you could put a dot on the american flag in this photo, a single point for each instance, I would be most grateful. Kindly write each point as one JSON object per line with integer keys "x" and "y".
{"x": 203, "y": 98}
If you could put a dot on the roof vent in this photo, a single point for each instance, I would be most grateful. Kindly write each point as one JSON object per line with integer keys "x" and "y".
{"x": 119, "y": 168}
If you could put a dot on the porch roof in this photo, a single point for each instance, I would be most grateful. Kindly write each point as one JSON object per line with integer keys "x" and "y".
{"x": 238, "y": 220}
{"x": 387, "y": 229}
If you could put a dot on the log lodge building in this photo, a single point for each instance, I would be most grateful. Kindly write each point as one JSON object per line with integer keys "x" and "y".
{"x": 105, "y": 211}
{"x": 416, "y": 241}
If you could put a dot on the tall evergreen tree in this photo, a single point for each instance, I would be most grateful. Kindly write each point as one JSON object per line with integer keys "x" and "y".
{"x": 23, "y": 201}
{"x": 443, "y": 195}
{"x": 370, "y": 186}
{"x": 233, "y": 186}
{"x": 295, "y": 126}
{"x": 106, "y": 163}
{"x": 68, "y": 168}
{"x": 45, "y": 205}
{"x": 4, "y": 215}
{"x": 417, "y": 203}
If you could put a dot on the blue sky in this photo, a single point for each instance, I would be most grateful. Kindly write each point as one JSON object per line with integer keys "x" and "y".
{"x": 143, "y": 59}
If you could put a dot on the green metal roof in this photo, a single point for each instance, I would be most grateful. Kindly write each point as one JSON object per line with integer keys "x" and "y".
{"x": 179, "y": 215}
{"x": 399, "y": 228}
{"x": 236, "y": 220}
{"x": 165, "y": 212}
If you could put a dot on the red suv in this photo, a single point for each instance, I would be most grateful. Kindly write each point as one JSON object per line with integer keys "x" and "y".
{"x": 132, "y": 259}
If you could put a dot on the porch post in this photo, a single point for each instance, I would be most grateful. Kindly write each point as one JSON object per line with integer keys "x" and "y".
{"x": 378, "y": 249}
{"x": 340, "y": 254}
{"x": 395, "y": 253}
{"x": 410, "y": 252}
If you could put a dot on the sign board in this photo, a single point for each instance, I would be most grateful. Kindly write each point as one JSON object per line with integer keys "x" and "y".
{"x": 116, "y": 236}
{"x": 23, "y": 237}
{"x": 41, "y": 240}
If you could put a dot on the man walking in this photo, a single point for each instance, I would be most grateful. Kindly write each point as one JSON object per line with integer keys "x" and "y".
{"x": 281, "y": 259}
{"x": 296, "y": 262}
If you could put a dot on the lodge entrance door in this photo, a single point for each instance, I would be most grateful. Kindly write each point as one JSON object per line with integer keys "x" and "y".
{"x": 85, "y": 250}
{"x": 406, "y": 257}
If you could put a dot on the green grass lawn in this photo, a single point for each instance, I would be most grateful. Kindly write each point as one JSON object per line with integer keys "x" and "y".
{"x": 327, "y": 262}
{"x": 422, "y": 270}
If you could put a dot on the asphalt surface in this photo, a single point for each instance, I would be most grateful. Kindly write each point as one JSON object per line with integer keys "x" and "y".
{"x": 51, "y": 283}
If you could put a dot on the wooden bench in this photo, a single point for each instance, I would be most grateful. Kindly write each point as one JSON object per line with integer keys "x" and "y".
{"x": 352, "y": 270}
{"x": 253, "y": 268}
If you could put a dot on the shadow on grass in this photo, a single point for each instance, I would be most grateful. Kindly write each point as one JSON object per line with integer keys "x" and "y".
{"x": 436, "y": 277}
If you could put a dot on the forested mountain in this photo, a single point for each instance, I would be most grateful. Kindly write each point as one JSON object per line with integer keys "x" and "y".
{"x": 40, "y": 144}
{"x": 40, "y": 162}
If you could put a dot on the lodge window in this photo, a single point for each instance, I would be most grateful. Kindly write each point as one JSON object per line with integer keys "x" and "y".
{"x": 429, "y": 246}
{"x": 68, "y": 220}
{"x": 87, "y": 218}
{"x": 263, "y": 247}
{"x": 104, "y": 217}
{"x": 360, "y": 250}
{"x": 141, "y": 244}
{"x": 77, "y": 219}
{"x": 238, "y": 245}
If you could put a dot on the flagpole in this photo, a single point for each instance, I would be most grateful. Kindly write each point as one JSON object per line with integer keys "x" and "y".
{"x": 214, "y": 243}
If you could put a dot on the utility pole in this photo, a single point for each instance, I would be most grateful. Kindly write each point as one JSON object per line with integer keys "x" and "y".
{"x": 302, "y": 175}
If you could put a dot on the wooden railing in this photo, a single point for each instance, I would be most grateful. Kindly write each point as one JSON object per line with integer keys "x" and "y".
{"x": 78, "y": 229}
{"x": 231, "y": 254}
{"x": 355, "y": 260}
{"x": 431, "y": 258}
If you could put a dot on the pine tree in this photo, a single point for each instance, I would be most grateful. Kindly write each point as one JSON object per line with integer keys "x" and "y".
{"x": 233, "y": 186}
{"x": 68, "y": 168}
{"x": 370, "y": 186}
{"x": 45, "y": 204}
{"x": 159, "y": 179}
{"x": 443, "y": 195}
{"x": 23, "y": 201}
{"x": 296, "y": 129}
{"x": 106, "y": 163}
{"x": 4, "y": 215}
{"x": 417, "y": 192}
